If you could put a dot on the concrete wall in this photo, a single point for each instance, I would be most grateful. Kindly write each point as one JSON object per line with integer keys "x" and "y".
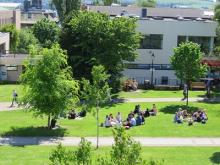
{"x": 5, "y": 41}
{"x": 11, "y": 17}
{"x": 13, "y": 75}
{"x": 170, "y": 29}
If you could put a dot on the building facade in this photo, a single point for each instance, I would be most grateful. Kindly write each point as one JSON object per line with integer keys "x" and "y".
{"x": 162, "y": 30}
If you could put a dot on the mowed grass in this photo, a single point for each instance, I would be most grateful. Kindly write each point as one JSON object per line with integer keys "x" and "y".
{"x": 162, "y": 94}
{"x": 20, "y": 123}
{"x": 36, "y": 155}
{"x": 6, "y": 93}
{"x": 7, "y": 90}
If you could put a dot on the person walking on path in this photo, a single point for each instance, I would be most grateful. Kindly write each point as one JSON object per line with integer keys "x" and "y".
{"x": 14, "y": 98}
{"x": 184, "y": 91}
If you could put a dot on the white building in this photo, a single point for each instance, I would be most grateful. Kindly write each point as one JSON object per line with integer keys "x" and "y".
{"x": 163, "y": 29}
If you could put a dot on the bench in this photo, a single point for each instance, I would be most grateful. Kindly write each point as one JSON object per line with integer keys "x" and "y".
{"x": 197, "y": 85}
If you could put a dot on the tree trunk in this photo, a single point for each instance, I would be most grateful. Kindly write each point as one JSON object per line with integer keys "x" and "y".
{"x": 48, "y": 122}
{"x": 187, "y": 94}
{"x": 97, "y": 120}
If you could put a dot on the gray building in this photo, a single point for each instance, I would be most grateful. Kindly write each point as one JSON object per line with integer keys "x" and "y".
{"x": 163, "y": 29}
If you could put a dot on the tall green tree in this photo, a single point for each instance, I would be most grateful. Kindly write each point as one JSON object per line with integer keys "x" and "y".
{"x": 96, "y": 93}
{"x": 186, "y": 62}
{"x": 146, "y": 3}
{"x": 64, "y": 7}
{"x": 93, "y": 38}
{"x": 26, "y": 38}
{"x": 14, "y": 35}
{"x": 109, "y": 2}
{"x": 47, "y": 32}
{"x": 217, "y": 39}
{"x": 49, "y": 87}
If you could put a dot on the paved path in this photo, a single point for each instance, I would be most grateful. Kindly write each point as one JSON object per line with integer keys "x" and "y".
{"x": 108, "y": 141}
{"x": 5, "y": 106}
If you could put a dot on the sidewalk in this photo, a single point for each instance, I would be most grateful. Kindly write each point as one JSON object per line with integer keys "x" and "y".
{"x": 5, "y": 106}
{"x": 108, "y": 141}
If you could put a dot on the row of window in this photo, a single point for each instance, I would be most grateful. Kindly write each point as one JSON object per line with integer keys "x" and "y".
{"x": 155, "y": 41}
{"x": 149, "y": 66}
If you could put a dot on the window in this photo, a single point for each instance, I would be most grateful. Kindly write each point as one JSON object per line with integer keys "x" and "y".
{"x": 138, "y": 66}
{"x": 181, "y": 39}
{"x": 204, "y": 42}
{"x": 12, "y": 68}
{"x": 152, "y": 41}
{"x": 149, "y": 66}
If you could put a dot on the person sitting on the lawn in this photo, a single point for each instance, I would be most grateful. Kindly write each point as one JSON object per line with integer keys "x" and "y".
{"x": 190, "y": 120}
{"x": 118, "y": 118}
{"x": 203, "y": 116}
{"x": 112, "y": 120}
{"x": 137, "y": 109}
{"x": 107, "y": 121}
{"x": 184, "y": 114}
{"x": 178, "y": 119}
{"x": 133, "y": 121}
{"x": 72, "y": 114}
{"x": 82, "y": 113}
{"x": 153, "y": 112}
{"x": 139, "y": 119}
{"x": 147, "y": 113}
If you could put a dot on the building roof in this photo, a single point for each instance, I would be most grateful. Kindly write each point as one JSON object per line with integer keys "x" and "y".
{"x": 155, "y": 12}
{"x": 10, "y": 5}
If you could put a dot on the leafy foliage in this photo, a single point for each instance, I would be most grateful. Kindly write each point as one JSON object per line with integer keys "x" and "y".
{"x": 217, "y": 39}
{"x": 83, "y": 153}
{"x": 26, "y": 38}
{"x": 82, "y": 156}
{"x": 14, "y": 38}
{"x": 49, "y": 87}
{"x": 186, "y": 62}
{"x": 64, "y": 7}
{"x": 93, "y": 38}
{"x": 97, "y": 92}
{"x": 47, "y": 32}
{"x": 109, "y": 2}
{"x": 60, "y": 156}
{"x": 125, "y": 151}
{"x": 146, "y": 3}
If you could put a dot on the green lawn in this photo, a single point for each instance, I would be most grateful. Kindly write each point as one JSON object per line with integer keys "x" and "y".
{"x": 36, "y": 155}
{"x": 6, "y": 92}
{"x": 20, "y": 123}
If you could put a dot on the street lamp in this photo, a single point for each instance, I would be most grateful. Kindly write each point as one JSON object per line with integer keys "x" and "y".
{"x": 152, "y": 68}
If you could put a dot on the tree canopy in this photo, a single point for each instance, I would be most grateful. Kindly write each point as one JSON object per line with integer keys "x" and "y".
{"x": 26, "y": 38}
{"x": 14, "y": 38}
{"x": 146, "y": 3}
{"x": 93, "y": 38}
{"x": 64, "y": 7}
{"x": 49, "y": 87}
{"x": 96, "y": 92}
{"x": 186, "y": 62}
{"x": 47, "y": 32}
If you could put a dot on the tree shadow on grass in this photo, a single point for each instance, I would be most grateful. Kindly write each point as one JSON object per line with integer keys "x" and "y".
{"x": 35, "y": 132}
{"x": 215, "y": 158}
{"x": 172, "y": 109}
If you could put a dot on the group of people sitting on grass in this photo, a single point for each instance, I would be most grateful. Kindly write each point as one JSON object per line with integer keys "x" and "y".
{"x": 73, "y": 114}
{"x": 198, "y": 116}
{"x": 131, "y": 120}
